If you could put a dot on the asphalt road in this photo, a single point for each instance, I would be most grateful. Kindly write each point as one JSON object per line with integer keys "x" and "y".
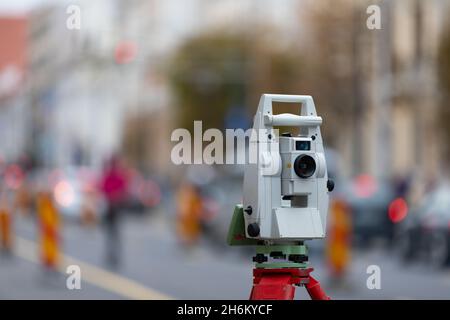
{"x": 154, "y": 266}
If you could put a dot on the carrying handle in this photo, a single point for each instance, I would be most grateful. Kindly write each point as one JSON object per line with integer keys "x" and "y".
{"x": 307, "y": 118}
{"x": 287, "y": 119}
{"x": 289, "y": 98}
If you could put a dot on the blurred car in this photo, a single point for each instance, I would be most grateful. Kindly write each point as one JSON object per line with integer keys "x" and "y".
{"x": 75, "y": 193}
{"x": 369, "y": 200}
{"x": 74, "y": 190}
{"x": 425, "y": 232}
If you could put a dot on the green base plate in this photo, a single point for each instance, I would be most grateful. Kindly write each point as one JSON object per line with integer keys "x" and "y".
{"x": 236, "y": 237}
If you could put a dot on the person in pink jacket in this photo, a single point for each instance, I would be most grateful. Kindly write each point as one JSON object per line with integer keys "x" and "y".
{"x": 114, "y": 187}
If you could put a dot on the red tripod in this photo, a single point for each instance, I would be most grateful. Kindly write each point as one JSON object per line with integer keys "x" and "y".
{"x": 278, "y": 284}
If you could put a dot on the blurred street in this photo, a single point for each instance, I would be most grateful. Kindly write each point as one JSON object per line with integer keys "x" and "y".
{"x": 153, "y": 259}
{"x": 123, "y": 147}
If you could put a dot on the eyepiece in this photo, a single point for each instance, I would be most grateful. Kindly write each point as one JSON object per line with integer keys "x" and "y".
{"x": 304, "y": 166}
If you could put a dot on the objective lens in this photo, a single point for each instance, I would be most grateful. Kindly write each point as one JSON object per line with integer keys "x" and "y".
{"x": 304, "y": 166}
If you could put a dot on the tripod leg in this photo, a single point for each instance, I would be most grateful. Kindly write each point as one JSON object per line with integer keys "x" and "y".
{"x": 315, "y": 291}
{"x": 273, "y": 287}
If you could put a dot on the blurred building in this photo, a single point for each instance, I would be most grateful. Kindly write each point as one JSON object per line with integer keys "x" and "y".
{"x": 411, "y": 72}
{"x": 403, "y": 96}
{"x": 13, "y": 64}
{"x": 392, "y": 130}
{"x": 50, "y": 59}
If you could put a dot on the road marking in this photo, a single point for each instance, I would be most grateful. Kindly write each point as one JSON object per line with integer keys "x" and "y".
{"x": 110, "y": 281}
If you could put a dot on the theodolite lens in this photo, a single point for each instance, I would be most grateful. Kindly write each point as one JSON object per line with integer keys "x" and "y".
{"x": 304, "y": 166}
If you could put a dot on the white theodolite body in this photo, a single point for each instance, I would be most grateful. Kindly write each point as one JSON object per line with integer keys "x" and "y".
{"x": 286, "y": 186}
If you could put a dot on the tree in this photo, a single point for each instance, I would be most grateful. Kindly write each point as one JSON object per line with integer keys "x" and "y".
{"x": 216, "y": 71}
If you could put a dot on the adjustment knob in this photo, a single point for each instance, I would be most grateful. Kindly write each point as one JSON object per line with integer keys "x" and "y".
{"x": 330, "y": 185}
{"x": 253, "y": 230}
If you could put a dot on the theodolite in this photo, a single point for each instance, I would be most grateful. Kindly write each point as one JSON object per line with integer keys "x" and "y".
{"x": 285, "y": 201}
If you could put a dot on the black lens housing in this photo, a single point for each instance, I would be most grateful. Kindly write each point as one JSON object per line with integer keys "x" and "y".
{"x": 304, "y": 166}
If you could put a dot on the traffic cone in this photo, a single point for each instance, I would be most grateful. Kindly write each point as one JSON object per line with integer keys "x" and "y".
{"x": 338, "y": 249}
{"x": 49, "y": 225}
{"x": 5, "y": 230}
{"x": 188, "y": 217}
